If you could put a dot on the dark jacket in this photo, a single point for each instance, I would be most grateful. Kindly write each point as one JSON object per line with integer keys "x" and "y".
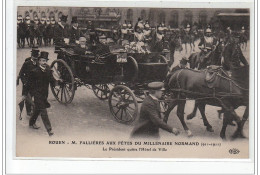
{"x": 60, "y": 33}
{"x": 24, "y": 73}
{"x": 38, "y": 86}
{"x": 75, "y": 34}
{"x": 150, "y": 120}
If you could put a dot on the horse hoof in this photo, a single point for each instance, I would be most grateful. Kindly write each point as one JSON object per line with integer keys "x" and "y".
{"x": 189, "y": 133}
{"x": 190, "y": 116}
{"x": 209, "y": 129}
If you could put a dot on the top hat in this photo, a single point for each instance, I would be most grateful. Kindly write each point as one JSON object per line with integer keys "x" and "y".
{"x": 74, "y": 19}
{"x": 64, "y": 18}
{"x": 44, "y": 55}
{"x": 156, "y": 86}
{"x": 35, "y": 53}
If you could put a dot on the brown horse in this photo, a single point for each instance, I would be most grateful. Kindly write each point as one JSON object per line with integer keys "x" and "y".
{"x": 216, "y": 89}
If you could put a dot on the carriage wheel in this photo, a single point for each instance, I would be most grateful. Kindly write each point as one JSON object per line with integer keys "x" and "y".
{"x": 63, "y": 91}
{"x": 123, "y": 104}
{"x": 101, "y": 91}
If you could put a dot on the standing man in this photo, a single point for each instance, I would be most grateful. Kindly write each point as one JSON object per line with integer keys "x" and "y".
{"x": 28, "y": 65}
{"x": 150, "y": 115}
{"x": 38, "y": 86}
{"x": 61, "y": 31}
{"x": 75, "y": 33}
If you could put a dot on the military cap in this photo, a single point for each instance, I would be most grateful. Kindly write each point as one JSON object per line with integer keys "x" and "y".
{"x": 156, "y": 86}
{"x": 82, "y": 39}
{"x": 35, "y": 53}
{"x": 27, "y": 17}
{"x": 19, "y": 17}
{"x": 44, "y": 55}
{"x": 64, "y": 18}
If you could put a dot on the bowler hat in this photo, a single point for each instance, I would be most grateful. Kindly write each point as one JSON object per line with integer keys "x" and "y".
{"x": 64, "y": 18}
{"x": 35, "y": 53}
{"x": 74, "y": 19}
{"x": 156, "y": 86}
{"x": 44, "y": 55}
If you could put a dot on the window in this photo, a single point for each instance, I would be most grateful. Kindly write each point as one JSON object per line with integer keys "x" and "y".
{"x": 60, "y": 14}
{"x": 188, "y": 17}
{"x": 161, "y": 17}
{"x": 143, "y": 14}
{"x": 129, "y": 15}
{"x": 35, "y": 14}
{"x": 27, "y": 14}
{"x": 203, "y": 19}
{"x": 174, "y": 21}
{"x": 51, "y": 15}
{"x": 43, "y": 15}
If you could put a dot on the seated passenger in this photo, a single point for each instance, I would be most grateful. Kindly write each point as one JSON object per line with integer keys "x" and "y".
{"x": 82, "y": 48}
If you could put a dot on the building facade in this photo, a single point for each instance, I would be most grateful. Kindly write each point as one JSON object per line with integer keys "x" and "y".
{"x": 174, "y": 18}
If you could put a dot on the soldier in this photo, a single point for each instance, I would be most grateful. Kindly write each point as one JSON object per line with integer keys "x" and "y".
{"x": 27, "y": 24}
{"x": 47, "y": 33}
{"x": 237, "y": 56}
{"x": 207, "y": 44}
{"x": 150, "y": 115}
{"x": 28, "y": 65}
{"x": 21, "y": 29}
{"x": 61, "y": 31}
{"x": 75, "y": 33}
{"x": 42, "y": 29}
{"x": 147, "y": 32}
{"x": 38, "y": 85}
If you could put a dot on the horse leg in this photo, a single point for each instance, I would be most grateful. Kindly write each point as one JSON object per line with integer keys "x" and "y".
{"x": 224, "y": 126}
{"x": 193, "y": 114}
{"x": 205, "y": 121}
{"x": 180, "y": 114}
{"x": 239, "y": 132}
{"x": 168, "y": 111}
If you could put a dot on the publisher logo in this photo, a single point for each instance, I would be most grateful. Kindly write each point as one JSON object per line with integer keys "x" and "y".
{"x": 234, "y": 151}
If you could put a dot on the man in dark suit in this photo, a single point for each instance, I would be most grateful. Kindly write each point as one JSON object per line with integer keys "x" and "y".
{"x": 38, "y": 86}
{"x": 28, "y": 65}
{"x": 75, "y": 33}
{"x": 150, "y": 115}
{"x": 61, "y": 31}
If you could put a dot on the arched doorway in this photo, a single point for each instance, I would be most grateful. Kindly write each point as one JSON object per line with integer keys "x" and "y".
{"x": 129, "y": 15}
{"x": 143, "y": 14}
{"x": 174, "y": 22}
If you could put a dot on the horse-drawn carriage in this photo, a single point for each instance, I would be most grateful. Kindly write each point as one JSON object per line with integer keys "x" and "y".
{"x": 111, "y": 73}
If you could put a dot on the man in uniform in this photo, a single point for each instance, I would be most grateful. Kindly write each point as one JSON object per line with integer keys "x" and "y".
{"x": 38, "y": 86}
{"x": 20, "y": 31}
{"x": 42, "y": 29}
{"x": 237, "y": 56}
{"x": 75, "y": 33}
{"x": 207, "y": 44}
{"x": 27, "y": 23}
{"x": 150, "y": 115}
{"x": 28, "y": 65}
{"x": 61, "y": 31}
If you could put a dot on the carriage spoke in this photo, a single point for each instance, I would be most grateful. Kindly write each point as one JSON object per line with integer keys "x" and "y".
{"x": 129, "y": 113}
{"x": 67, "y": 92}
{"x": 65, "y": 97}
{"x": 117, "y": 111}
{"x": 62, "y": 93}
